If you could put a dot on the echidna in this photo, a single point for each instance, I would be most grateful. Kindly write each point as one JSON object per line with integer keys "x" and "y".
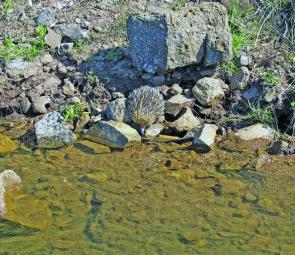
{"x": 145, "y": 106}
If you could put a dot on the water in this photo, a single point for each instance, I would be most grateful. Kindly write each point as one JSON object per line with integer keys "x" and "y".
{"x": 152, "y": 198}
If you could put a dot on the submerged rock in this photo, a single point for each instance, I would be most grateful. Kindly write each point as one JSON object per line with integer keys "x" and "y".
{"x": 6, "y": 144}
{"x": 204, "y": 138}
{"x": 113, "y": 134}
{"x": 52, "y": 131}
{"x": 30, "y": 212}
{"x": 9, "y": 180}
{"x": 161, "y": 39}
{"x": 257, "y": 131}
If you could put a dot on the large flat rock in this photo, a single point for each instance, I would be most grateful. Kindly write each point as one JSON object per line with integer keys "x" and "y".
{"x": 162, "y": 40}
{"x": 113, "y": 134}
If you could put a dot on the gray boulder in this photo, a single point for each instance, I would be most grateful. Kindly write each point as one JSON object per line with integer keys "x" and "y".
{"x": 204, "y": 138}
{"x": 52, "y": 39}
{"x": 257, "y": 131}
{"x": 162, "y": 40}
{"x": 176, "y": 103}
{"x": 52, "y": 131}
{"x": 19, "y": 69}
{"x": 8, "y": 179}
{"x": 186, "y": 122}
{"x": 39, "y": 104}
{"x": 73, "y": 32}
{"x": 117, "y": 110}
{"x": 113, "y": 134}
{"x": 208, "y": 91}
{"x": 239, "y": 80}
{"x": 46, "y": 17}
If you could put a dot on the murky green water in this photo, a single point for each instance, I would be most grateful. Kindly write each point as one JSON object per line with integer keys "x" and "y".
{"x": 152, "y": 198}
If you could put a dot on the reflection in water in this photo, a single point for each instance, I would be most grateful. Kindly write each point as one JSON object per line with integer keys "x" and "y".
{"x": 153, "y": 198}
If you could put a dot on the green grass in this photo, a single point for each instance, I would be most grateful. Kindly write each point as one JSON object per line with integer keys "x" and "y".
{"x": 92, "y": 77}
{"x": 7, "y": 5}
{"x": 261, "y": 115}
{"x": 112, "y": 54}
{"x": 177, "y": 5}
{"x": 238, "y": 26}
{"x": 73, "y": 111}
{"x": 121, "y": 24}
{"x": 229, "y": 67}
{"x": 10, "y": 50}
{"x": 269, "y": 77}
{"x": 79, "y": 46}
{"x": 255, "y": 114}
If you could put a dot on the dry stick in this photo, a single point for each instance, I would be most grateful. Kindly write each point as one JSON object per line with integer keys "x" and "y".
{"x": 267, "y": 17}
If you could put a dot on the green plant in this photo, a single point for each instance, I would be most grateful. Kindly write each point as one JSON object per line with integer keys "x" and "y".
{"x": 29, "y": 51}
{"x": 290, "y": 57}
{"x": 73, "y": 111}
{"x": 269, "y": 77}
{"x": 79, "y": 45}
{"x": 121, "y": 24}
{"x": 112, "y": 54}
{"x": 293, "y": 105}
{"x": 237, "y": 22}
{"x": 229, "y": 67}
{"x": 92, "y": 77}
{"x": 177, "y": 5}
{"x": 7, "y": 5}
{"x": 259, "y": 115}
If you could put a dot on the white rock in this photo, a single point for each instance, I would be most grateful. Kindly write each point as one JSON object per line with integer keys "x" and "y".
{"x": 154, "y": 130}
{"x": 204, "y": 138}
{"x": 245, "y": 60}
{"x": 255, "y": 132}
{"x": 39, "y": 104}
{"x": 208, "y": 91}
{"x": 19, "y": 69}
{"x": 46, "y": 59}
{"x": 52, "y": 131}
{"x": 186, "y": 122}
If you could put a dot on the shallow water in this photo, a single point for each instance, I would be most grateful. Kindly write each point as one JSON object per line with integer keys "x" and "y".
{"x": 152, "y": 198}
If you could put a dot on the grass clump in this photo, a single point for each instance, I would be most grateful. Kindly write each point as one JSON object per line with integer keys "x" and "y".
{"x": 7, "y": 5}
{"x": 92, "y": 77}
{"x": 241, "y": 34}
{"x": 177, "y": 5}
{"x": 73, "y": 111}
{"x": 260, "y": 115}
{"x": 269, "y": 77}
{"x": 113, "y": 54}
{"x": 79, "y": 46}
{"x": 11, "y": 50}
{"x": 229, "y": 67}
{"x": 121, "y": 24}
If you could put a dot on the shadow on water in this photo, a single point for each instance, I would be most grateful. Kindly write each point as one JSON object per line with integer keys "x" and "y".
{"x": 94, "y": 224}
{"x": 10, "y": 229}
